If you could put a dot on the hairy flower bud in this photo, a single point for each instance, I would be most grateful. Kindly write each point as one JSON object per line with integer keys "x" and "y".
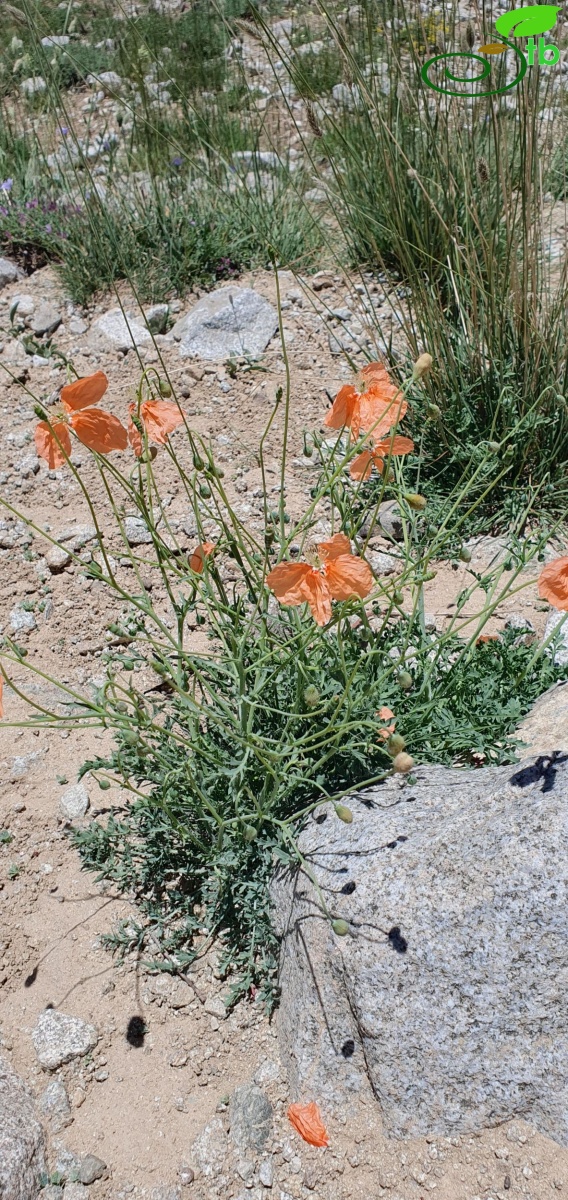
{"x": 403, "y": 763}
{"x": 465, "y": 554}
{"x": 311, "y": 696}
{"x": 416, "y": 501}
{"x": 344, "y": 813}
{"x": 422, "y": 366}
{"x": 405, "y": 680}
{"x": 434, "y": 411}
{"x": 250, "y": 833}
{"x": 395, "y": 744}
{"x": 341, "y": 928}
{"x": 165, "y": 389}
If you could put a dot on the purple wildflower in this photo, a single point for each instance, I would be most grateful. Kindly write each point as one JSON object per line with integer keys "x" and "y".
{"x": 177, "y": 161}
{"x": 7, "y": 185}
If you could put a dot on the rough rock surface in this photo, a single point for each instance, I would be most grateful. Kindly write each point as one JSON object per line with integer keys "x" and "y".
{"x": 251, "y": 1117}
{"x": 58, "y": 1038}
{"x": 561, "y": 646}
{"x": 230, "y": 321}
{"x": 74, "y": 801}
{"x": 122, "y": 332}
{"x": 545, "y": 728}
{"x": 21, "y": 1139}
{"x": 448, "y": 996}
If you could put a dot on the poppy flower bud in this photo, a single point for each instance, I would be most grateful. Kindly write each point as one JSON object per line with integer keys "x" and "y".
{"x": 250, "y": 833}
{"x": 405, "y": 680}
{"x": 416, "y": 501}
{"x": 165, "y": 389}
{"x": 395, "y": 744}
{"x": 422, "y": 366}
{"x": 205, "y": 491}
{"x": 403, "y": 763}
{"x": 341, "y": 928}
{"x": 130, "y": 737}
{"x": 104, "y": 784}
{"x": 344, "y": 813}
{"x": 198, "y": 462}
{"x": 40, "y": 412}
{"x": 493, "y": 447}
{"x": 311, "y": 696}
{"x": 465, "y": 554}
{"x": 434, "y": 411}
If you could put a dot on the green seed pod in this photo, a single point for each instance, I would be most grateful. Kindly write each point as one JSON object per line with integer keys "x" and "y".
{"x": 403, "y": 763}
{"x": 493, "y": 447}
{"x": 311, "y": 696}
{"x": 204, "y": 490}
{"x": 165, "y": 389}
{"x": 250, "y": 833}
{"x": 465, "y": 554}
{"x": 130, "y": 738}
{"x": 104, "y": 784}
{"x": 341, "y": 928}
{"x": 121, "y": 707}
{"x": 405, "y": 680}
{"x": 434, "y": 411}
{"x": 416, "y": 501}
{"x": 344, "y": 813}
{"x": 198, "y": 463}
{"x": 128, "y": 664}
{"x": 398, "y": 597}
{"x": 395, "y": 744}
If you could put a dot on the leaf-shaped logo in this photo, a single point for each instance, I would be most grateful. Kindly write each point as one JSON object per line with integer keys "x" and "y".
{"x": 526, "y": 22}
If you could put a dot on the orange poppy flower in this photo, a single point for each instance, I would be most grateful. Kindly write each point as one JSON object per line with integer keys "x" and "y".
{"x": 341, "y": 576}
{"x": 84, "y": 393}
{"x": 47, "y": 446}
{"x": 159, "y": 418}
{"x": 362, "y": 466}
{"x": 385, "y": 714}
{"x": 553, "y": 583}
{"x": 376, "y": 406}
{"x": 307, "y": 1121}
{"x": 100, "y": 431}
{"x": 201, "y": 552}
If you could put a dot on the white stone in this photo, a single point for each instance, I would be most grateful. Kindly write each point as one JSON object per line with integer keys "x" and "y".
{"x": 58, "y": 1038}
{"x": 121, "y": 331}
{"x": 33, "y": 86}
{"x": 74, "y": 801}
{"x": 55, "y": 39}
{"x": 229, "y": 322}
{"x": 9, "y": 272}
{"x": 22, "y": 621}
{"x": 561, "y": 651}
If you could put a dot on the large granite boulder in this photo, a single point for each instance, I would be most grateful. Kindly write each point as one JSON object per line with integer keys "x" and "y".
{"x": 22, "y": 1147}
{"x": 230, "y": 322}
{"x": 448, "y": 998}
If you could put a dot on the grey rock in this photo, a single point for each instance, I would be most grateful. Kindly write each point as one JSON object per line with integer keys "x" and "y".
{"x": 381, "y": 564}
{"x": 22, "y": 1146}
{"x": 55, "y": 39}
{"x": 110, "y": 83}
{"x": 46, "y": 320}
{"x": 520, "y": 622}
{"x": 54, "y": 1104}
{"x": 78, "y": 536}
{"x": 465, "y": 1026}
{"x": 250, "y": 1114}
{"x": 75, "y": 1191}
{"x": 51, "y": 1192}
{"x": 9, "y": 272}
{"x": 58, "y": 1038}
{"x": 66, "y": 1163}
{"x": 77, "y": 326}
{"x": 210, "y": 1148}
{"x": 91, "y": 1168}
{"x": 137, "y": 532}
{"x": 545, "y": 727}
{"x": 156, "y": 317}
{"x": 22, "y": 621}
{"x": 166, "y": 1193}
{"x": 560, "y": 650}
{"x": 28, "y": 466}
{"x": 216, "y": 1007}
{"x": 266, "y": 1173}
{"x": 33, "y": 86}
{"x": 347, "y": 95}
{"x": 390, "y": 520}
{"x": 123, "y": 332}
{"x": 257, "y": 158}
{"x": 186, "y": 1175}
{"x": 74, "y": 801}
{"x": 57, "y": 558}
{"x": 228, "y": 322}
{"x": 23, "y": 304}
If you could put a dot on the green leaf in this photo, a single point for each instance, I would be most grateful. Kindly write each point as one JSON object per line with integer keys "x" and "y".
{"x": 526, "y": 22}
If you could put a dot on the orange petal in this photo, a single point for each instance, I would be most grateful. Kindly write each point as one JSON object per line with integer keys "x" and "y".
{"x": 379, "y": 412}
{"x": 384, "y": 713}
{"x": 338, "y": 544}
{"x": 394, "y": 445}
{"x": 348, "y": 576}
{"x": 553, "y": 583}
{"x": 306, "y": 1119}
{"x": 343, "y": 408}
{"x": 47, "y": 446}
{"x": 160, "y": 419}
{"x": 376, "y": 373}
{"x": 99, "y": 431}
{"x": 201, "y": 552}
{"x": 135, "y": 438}
{"x": 361, "y": 466}
{"x": 318, "y": 596}
{"x": 286, "y": 581}
{"x": 84, "y": 392}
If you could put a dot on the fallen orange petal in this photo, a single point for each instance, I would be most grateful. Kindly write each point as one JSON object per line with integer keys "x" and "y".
{"x": 307, "y": 1121}
{"x": 385, "y": 714}
{"x": 553, "y": 583}
{"x": 47, "y": 445}
{"x": 201, "y": 552}
{"x": 100, "y": 431}
{"x": 84, "y": 392}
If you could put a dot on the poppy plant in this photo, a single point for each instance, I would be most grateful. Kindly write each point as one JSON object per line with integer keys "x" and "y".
{"x": 307, "y": 1121}
{"x": 100, "y": 431}
{"x": 362, "y": 466}
{"x": 340, "y": 577}
{"x": 159, "y": 419}
{"x": 374, "y": 407}
{"x": 553, "y": 583}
